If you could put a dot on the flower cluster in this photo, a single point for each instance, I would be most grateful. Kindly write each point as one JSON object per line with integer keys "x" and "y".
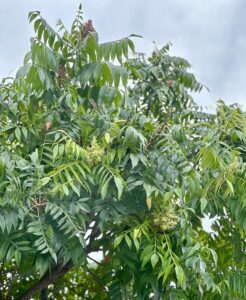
{"x": 165, "y": 220}
{"x": 94, "y": 153}
{"x": 87, "y": 28}
{"x": 61, "y": 74}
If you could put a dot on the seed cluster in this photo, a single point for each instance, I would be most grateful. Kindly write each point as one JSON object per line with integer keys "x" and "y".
{"x": 165, "y": 220}
{"x": 94, "y": 153}
{"x": 61, "y": 74}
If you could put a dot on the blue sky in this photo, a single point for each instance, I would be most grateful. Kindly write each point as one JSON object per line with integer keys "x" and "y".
{"x": 211, "y": 34}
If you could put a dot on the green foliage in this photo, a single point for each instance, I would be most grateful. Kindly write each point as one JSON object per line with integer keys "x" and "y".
{"x": 104, "y": 150}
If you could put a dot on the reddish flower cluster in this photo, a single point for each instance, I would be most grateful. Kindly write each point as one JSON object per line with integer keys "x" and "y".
{"x": 62, "y": 72}
{"x": 169, "y": 83}
{"x": 48, "y": 125}
{"x": 88, "y": 27}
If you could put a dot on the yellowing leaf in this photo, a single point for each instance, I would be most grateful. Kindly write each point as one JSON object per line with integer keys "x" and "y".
{"x": 148, "y": 202}
{"x": 118, "y": 240}
{"x": 107, "y": 137}
{"x": 136, "y": 232}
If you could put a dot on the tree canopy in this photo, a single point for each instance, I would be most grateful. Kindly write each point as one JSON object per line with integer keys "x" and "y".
{"x": 104, "y": 150}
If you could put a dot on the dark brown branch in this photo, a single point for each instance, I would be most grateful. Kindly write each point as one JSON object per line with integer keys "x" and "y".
{"x": 92, "y": 236}
{"x": 156, "y": 135}
{"x": 95, "y": 261}
{"x": 58, "y": 272}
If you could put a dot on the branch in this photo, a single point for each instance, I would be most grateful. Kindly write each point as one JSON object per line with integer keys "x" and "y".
{"x": 58, "y": 272}
{"x": 92, "y": 236}
{"x": 95, "y": 261}
{"x": 155, "y": 136}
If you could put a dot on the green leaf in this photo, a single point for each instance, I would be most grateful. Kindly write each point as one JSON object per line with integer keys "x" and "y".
{"x": 134, "y": 159}
{"x": 24, "y": 131}
{"x": 18, "y": 133}
{"x": 44, "y": 181}
{"x": 119, "y": 184}
{"x": 17, "y": 256}
{"x": 65, "y": 189}
{"x": 178, "y": 192}
{"x": 131, "y": 45}
{"x": 128, "y": 241}
{"x": 204, "y": 203}
{"x": 82, "y": 240}
{"x": 136, "y": 243}
{"x": 180, "y": 274}
{"x": 154, "y": 259}
{"x": 92, "y": 46}
{"x": 215, "y": 256}
{"x": 55, "y": 151}
{"x": 104, "y": 189}
{"x": 2, "y": 222}
{"x": 118, "y": 240}
{"x": 166, "y": 272}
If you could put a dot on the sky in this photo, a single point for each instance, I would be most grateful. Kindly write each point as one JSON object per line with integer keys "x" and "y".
{"x": 210, "y": 34}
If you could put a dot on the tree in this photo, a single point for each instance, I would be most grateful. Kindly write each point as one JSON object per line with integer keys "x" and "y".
{"x": 104, "y": 150}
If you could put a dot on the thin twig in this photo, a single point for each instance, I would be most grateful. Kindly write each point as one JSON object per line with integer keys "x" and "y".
{"x": 95, "y": 261}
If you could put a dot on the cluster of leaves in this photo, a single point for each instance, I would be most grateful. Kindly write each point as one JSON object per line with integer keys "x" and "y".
{"x": 103, "y": 150}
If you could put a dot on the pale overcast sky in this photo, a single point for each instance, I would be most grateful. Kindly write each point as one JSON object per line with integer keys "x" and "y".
{"x": 211, "y": 34}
